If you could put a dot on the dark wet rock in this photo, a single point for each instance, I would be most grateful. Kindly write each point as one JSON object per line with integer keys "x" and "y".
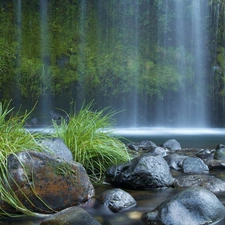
{"x": 50, "y": 184}
{"x": 143, "y": 172}
{"x": 194, "y": 165}
{"x": 175, "y": 161}
{"x": 172, "y": 145}
{"x": 57, "y": 147}
{"x": 211, "y": 183}
{"x": 205, "y": 154}
{"x": 117, "y": 200}
{"x": 215, "y": 164}
{"x": 156, "y": 151}
{"x": 159, "y": 151}
{"x": 142, "y": 146}
{"x": 193, "y": 206}
{"x": 70, "y": 216}
{"x": 220, "y": 152}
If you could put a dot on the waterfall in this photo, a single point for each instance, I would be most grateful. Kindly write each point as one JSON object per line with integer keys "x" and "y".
{"x": 18, "y": 58}
{"x": 186, "y": 43}
{"x": 214, "y": 12}
{"x": 151, "y": 61}
{"x": 46, "y": 100}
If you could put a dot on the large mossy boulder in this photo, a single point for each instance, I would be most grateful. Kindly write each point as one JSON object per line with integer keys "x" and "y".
{"x": 144, "y": 172}
{"x": 45, "y": 184}
{"x": 193, "y": 206}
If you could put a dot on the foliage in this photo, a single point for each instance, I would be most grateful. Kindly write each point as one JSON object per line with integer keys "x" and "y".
{"x": 102, "y": 53}
{"x": 14, "y": 138}
{"x": 87, "y": 134}
{"x": 103, "y": 49}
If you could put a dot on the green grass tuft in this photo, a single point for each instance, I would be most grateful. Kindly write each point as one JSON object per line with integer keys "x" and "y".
{"x": 14, "y": 138}
{"x": 88, "y": 136}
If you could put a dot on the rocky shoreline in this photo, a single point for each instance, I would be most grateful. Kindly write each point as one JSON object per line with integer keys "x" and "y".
{"x": 153, "y": 167}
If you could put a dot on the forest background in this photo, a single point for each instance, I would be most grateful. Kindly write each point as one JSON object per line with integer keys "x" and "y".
{"x": 107, "y": 51}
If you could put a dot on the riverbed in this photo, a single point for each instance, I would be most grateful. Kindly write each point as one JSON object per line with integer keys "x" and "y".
{"x": 190, "y": 139}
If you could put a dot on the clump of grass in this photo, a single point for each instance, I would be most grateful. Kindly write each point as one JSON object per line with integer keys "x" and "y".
{"x": 13, "y": 139}
{"x": 88, "y": 136}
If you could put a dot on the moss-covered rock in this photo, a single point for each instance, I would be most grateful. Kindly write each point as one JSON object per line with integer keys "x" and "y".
{"x": 45, "y": 184}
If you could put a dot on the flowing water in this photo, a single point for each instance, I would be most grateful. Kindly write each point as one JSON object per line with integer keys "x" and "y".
{"x": 146, "y": 200}
{"x": 179, "y": 41}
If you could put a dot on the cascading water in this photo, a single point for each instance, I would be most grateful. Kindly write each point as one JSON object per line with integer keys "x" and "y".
{"x": 149, "y": 60}
{"x": 186, "y": 43}
{"x": 19, "y": 40}
{"x": 46, "y": 101}
{"x": 82, "y": 48}
{"x": 216, "y": 84}
{"x": 133, "y": 62}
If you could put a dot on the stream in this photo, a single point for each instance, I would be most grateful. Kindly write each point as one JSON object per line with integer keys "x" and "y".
{"x": 147, "y": 200}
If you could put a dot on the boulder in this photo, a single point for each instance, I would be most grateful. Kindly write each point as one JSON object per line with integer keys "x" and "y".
{"x": 158, "y": 151}
{"x": 70, "y": 216}
{"x": 57, "y": 147}
{"x": 220, "y": 152}
{"x": 172, "y": 145}
{"x": 117, "y": 200}
{"x": 142, "y": 146}
{"x": 45, "y": 184}
{"x": 211, "y": 183}
{"x": 205, "y": 154}
{"x": 193, "y": 206}
{"x": 143, "y": 172}
{"x": 194, "y": 165}
{"x": 175, "y": 161}
{"x": 215, "y": 164}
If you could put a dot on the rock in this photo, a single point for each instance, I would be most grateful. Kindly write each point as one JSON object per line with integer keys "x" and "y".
{"x": 175, "y": 161}
{"x": 220, "y": 152}
{"x": 57, "y": 147}
{"x": 172, "y": 145}
{"x": 142, "y": 146}
{"x": 50, "y": 184}
{"x": 194, "y": 165}
{"x": 211, "y": 183}
{"x": 143, "y": 172}
{"x": 117, "y": 200}
{"x": 158, "y": 151}
{"x": 205, "y": 154}
{"x": 70, "y": 216}
{"x": 193, "y": 206}
{"x": 215, "y": 164}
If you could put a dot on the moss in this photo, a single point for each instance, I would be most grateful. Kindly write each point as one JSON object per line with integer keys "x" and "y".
{"x": 65, "y": 169}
